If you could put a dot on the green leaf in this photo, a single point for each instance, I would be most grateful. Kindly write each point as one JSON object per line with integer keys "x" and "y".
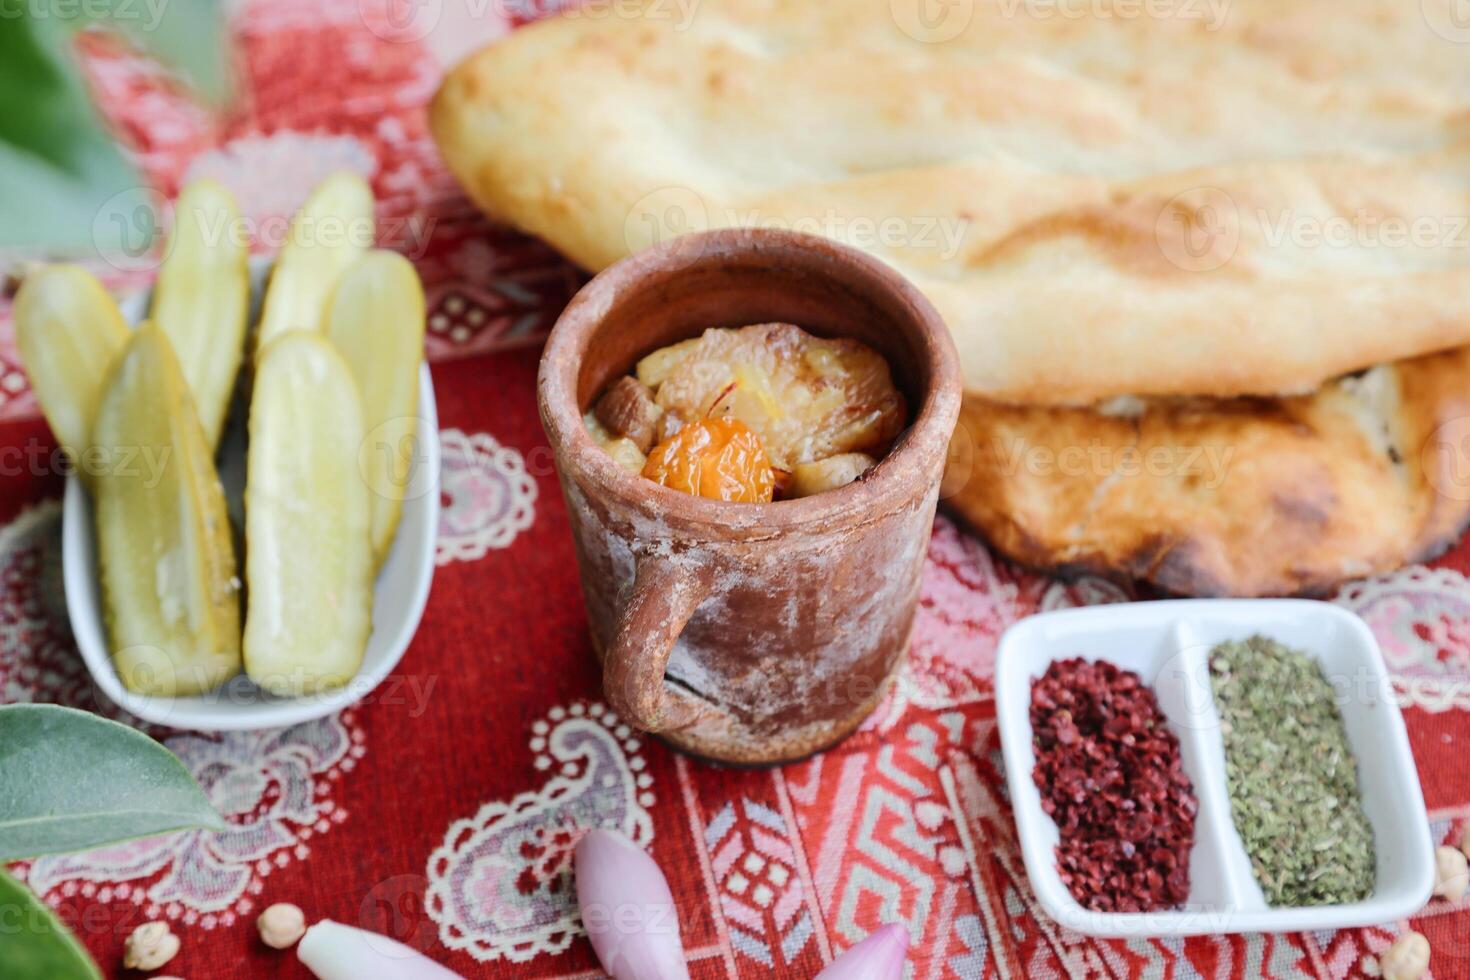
{"x": 190, "y": 38}
{"x": 58, "y": 166}
{"x": 65, "y": 187}
{"x": 71, "y": 781}
{"x": 37, "y": 945}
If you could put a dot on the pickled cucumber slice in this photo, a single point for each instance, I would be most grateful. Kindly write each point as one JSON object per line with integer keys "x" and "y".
{"x": 309, "y": 558}
{"x": 376, "y": 322}
{"x": 330, "y": 232}
{"x": 68, "y": 331}
{"x": 202, "y": 297}
{"x": 170, "y": 594}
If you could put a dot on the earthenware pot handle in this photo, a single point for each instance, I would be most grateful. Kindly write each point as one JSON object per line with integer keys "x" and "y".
{"x": 665, "y": 595}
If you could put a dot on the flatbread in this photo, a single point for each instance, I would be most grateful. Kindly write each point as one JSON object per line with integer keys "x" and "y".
{"x": 1235, "y": 497}
{"x": 1147, "y": 197}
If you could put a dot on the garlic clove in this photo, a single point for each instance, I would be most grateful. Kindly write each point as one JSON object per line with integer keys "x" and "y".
{"x": 333, "y": 951}
{"x": 1406, "y": 959}
{"x": 1451, "y": 873}
{"x": 878, "y": 957}
{"x": 628, "y": 909}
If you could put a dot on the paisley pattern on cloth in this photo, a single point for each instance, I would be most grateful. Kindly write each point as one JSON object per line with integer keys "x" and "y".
{"x": 274, "y": 788}
{"x": 500, "y": 885}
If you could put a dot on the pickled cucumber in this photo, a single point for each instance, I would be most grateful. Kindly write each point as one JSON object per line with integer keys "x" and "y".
{"x": 202, "y": 297}
{"x": 376, "y": 322}
{"x": 309, "y": 560}
{"x": 330, "y": 232}
{"x": 167, "y": 567}
{"x": 69, "y": 331}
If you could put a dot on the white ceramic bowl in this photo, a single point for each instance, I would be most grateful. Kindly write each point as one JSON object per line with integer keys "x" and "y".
{"x": 401, "y": 591}
{"x": 1168, "y": 644}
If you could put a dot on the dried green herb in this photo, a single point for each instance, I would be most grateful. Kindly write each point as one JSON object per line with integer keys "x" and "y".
{"x": 1293, "y": 780}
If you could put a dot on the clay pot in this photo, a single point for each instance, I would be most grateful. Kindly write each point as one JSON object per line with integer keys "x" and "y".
{"x": 749, "y": 633}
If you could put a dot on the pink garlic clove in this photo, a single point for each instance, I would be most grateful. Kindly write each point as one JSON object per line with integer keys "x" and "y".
{"x": 628, "y": 909}
{"x": 879, "y": 957}
{"x": 333, "y": 951}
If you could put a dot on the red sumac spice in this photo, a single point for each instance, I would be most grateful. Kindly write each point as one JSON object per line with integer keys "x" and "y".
{"x": 1109, "y": 773}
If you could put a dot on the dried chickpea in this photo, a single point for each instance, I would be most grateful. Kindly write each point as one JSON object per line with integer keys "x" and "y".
{"x": 1451, "y": 873}
{"x": 719, "y": 458}
{"x": 1406, "y": 959}
{"x": 150, "y": 946}
{"x": 281, "y": 925}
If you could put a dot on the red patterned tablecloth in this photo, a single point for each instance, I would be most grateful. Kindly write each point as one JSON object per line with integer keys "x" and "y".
{"x": 438, "y": 810}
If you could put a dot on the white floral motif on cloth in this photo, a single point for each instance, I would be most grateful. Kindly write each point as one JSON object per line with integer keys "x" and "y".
{"x": 487, "y": 496}
{"x": 1419, "y": 616}
{"x": 271, "y": 175}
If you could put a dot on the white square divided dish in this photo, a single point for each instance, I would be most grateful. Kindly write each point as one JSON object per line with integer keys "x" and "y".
{"x": 1167, "y": 644}
{"x": 399, "y": 596}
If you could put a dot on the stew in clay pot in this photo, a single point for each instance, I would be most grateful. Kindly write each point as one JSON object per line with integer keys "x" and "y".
{"x": 752, "y": 414}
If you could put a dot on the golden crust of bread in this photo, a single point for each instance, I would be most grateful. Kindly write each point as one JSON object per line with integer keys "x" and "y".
{"x": 1218, "y": 199}
{"x": 1244, "y": 496}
